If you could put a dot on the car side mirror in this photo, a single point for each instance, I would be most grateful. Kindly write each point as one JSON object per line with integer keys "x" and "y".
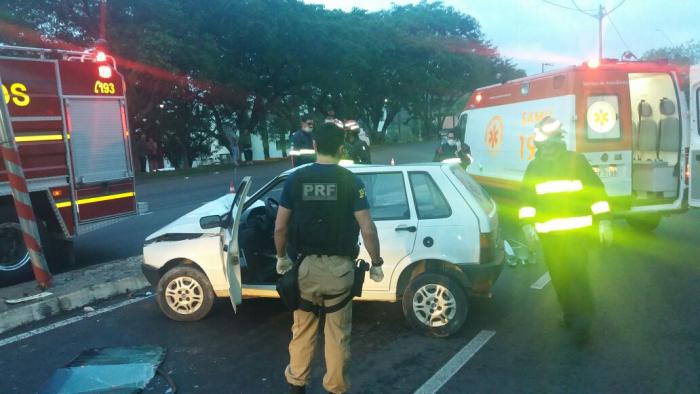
{"x": 212, "y": 221}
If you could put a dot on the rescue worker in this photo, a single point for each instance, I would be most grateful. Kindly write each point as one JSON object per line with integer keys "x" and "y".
{"x": 354, "y": 148}
{"x": 302, "y": 147}
{"x": 449, "y": 148}
{"x": 323, "y": 208}
{"x": 564, "y": 203}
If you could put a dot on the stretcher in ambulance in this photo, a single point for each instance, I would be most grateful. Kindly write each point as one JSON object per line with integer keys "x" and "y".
{"x": 636, "y": 123}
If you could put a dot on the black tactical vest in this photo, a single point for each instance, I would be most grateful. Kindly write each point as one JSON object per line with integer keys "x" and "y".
{"x": 323, "y": 220}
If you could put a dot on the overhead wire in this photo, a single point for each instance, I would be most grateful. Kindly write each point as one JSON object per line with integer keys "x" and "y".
{"x": 619, "y": 34}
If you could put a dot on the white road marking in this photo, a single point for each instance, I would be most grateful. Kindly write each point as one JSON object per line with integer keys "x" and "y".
{"x": 66, "y": 322}
{"x": 541, "y": 282}
{"x": 456, "y": 363}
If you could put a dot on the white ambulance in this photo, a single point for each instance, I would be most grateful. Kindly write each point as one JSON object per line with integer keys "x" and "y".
{"x": 636, "y": 123}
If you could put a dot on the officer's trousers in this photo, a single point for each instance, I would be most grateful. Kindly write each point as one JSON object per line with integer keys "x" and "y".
{"x": 322, "y": 276}
{"x": 566, "y": 255}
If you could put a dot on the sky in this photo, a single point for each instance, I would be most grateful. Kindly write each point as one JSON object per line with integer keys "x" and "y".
{"x": 532, "y": 32}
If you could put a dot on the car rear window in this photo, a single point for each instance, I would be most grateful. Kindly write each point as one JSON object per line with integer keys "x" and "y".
{"x": 430, "y": 203}
{"x": 481, "y": 196}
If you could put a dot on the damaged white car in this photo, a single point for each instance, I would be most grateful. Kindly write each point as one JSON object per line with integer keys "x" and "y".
{"x": 438, "y": 230}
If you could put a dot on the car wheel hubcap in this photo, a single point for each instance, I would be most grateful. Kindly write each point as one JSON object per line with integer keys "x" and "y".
{"x": 13, "y": 253}
{"x": 434, "y": 305}
{"x": 184, "y": 295}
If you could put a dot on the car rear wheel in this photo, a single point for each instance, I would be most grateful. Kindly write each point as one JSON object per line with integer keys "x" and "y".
{"x": 435, "y": 305}
{"x": 185, "y": 294}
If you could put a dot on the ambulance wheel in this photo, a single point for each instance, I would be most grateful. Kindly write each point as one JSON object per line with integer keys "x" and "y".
{"x": 645, "y": 222}
{"x": 185, "y": 294}
{"x": 435, "y": 305}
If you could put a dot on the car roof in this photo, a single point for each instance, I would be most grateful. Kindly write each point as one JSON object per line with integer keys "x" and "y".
{"x": 387, "y": 167}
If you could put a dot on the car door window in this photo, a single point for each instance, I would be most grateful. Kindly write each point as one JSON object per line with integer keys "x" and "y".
{"x": 429, "y": 200}
{"x": 386, "y": 194}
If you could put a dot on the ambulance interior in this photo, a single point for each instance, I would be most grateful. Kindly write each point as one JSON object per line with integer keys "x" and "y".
{"x": 656, "y": 137}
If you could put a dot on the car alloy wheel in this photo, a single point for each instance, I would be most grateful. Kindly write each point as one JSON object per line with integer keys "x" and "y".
{"x": 434, "y": 305}
{"x": 184, "y": 295}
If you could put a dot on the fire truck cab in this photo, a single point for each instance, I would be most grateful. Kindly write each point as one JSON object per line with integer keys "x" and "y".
{"x": 633, "y": 121}
{"x": 68, "y": 114}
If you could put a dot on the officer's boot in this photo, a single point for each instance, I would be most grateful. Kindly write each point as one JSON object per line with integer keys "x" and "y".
{"x": 293, "y": 389}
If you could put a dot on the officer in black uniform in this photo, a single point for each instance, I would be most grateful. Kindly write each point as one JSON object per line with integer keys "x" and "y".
{"x": 565, "y": 206}
{"x": 302, "y": 147}
{"x": 323, "y": 208}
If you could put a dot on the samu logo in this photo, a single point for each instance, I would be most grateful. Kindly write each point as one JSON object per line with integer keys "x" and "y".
{"x": 494, "y": 135}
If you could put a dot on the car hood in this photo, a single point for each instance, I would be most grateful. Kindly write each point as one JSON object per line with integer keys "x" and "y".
{"x": 189, "y": 223}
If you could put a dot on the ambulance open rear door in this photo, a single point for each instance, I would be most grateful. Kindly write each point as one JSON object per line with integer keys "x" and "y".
{"x": 694, "y": 154}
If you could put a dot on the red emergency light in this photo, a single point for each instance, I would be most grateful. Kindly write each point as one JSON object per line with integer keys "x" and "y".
{"x": 101, "y": 57}
{"x": 478, "y": 98}
{"x": 105, "y": 72}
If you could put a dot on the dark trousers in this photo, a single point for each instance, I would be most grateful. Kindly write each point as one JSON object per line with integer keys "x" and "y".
{"x": 566, "y": 255}
{"x": 248, "y": 154}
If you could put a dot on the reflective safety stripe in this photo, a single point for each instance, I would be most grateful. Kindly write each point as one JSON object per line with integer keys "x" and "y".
{"x": 96, "y": 199}
{"x": 526, "y": 212}
{"x": 564, "y": 224}
{"x": 452, "y": 160}
{"x": 600, "y": 207}
{"x": 345, "y": 162}
{"x": 559, "y": 187}
{"x": 302, "y": 152}
{"x": 36, "y": 138}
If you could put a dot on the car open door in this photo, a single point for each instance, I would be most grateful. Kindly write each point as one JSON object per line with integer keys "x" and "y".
{"x": 694, "y": 154}
{"x": 232, "y": 253}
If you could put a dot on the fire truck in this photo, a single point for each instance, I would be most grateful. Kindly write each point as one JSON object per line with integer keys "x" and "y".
{"x": 636, "y": 123}
{"x": 68, "y": 113}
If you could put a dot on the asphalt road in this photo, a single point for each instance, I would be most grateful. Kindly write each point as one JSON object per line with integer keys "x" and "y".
{"x": 645, "y": 337}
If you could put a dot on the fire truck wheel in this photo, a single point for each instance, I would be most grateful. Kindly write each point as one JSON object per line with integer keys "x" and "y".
{"x": 15, "y": 264}
{"x": 185, "y": 294}
{"x": 435, "y": 305}
{"x": 646, "y": 222}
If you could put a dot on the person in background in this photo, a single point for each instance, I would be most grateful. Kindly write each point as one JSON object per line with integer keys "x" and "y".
{"x": 354, "y": 148}
{"x": 302, "y": 143}
{"x": 245, "y": 144}
{"x": 152, "y": 152}
{"x": 448, "y": 149}
{"x": 140, "y": 152}
{"x": 235, "y": 152}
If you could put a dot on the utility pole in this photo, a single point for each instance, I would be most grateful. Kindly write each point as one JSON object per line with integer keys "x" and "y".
{"x": 601, "y": 15}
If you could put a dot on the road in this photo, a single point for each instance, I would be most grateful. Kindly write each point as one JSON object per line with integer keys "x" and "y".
{"x": 645, "y": 337}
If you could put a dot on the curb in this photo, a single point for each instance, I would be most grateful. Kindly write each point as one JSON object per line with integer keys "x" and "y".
{"x": 59, "y": 303}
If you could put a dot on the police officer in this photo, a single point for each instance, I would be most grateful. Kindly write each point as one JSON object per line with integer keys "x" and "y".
{"x": 354, "y": 148}
{"x": 302, "y": 147}
{"x": 564, "y": 203}
{"x": 323, "y": 208}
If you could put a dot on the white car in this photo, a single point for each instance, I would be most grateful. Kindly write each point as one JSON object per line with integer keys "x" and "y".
{"x": 438, "y": 232}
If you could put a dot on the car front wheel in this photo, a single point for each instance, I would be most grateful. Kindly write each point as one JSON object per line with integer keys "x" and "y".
{"x": 435, "y": 305}
{"x": 185, "y": 294}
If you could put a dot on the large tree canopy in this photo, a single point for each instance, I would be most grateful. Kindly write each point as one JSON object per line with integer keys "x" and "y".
{"x": 195, "y": 69}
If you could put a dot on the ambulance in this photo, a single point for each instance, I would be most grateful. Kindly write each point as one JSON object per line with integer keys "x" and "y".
{"x": 68, "y": 113}
{"x": 636, "y": 123}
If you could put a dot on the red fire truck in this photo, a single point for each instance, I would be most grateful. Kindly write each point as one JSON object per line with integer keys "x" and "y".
{"x": 636, "y": 123}
{"x": 68, "y": 113}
